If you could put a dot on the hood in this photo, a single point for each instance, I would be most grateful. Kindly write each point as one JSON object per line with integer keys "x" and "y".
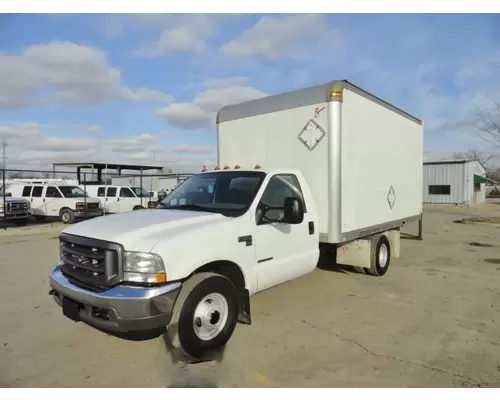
{"x": 13, "y": 199}
{"x": 141, "y": 230}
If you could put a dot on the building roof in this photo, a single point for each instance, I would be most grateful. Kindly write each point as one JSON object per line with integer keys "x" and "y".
{"x": 457, "y": 161}
{"x": 109, "y": 166}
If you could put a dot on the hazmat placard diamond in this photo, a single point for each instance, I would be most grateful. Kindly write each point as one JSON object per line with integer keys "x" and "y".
{"x": 311, "y": 134}
{"x": 391, "y": 197}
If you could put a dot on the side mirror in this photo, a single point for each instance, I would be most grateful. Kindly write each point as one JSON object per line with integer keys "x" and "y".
{"x": 8, "y": 194}
{"x": 294, "y": 211}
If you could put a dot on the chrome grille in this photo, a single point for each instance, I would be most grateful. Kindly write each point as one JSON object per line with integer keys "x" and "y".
{"x": 17, "y": 206}
{"x": 90, "y": 262}
{"x": 92, "y": 206}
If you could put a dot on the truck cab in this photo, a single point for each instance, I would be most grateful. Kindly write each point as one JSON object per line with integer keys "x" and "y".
{"x": 214, "y": 241}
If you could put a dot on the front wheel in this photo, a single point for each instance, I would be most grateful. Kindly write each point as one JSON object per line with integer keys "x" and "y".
{"x": 67, "y": 216}
{"x": 138, "y": 208}
{"x": 206, "y": 313}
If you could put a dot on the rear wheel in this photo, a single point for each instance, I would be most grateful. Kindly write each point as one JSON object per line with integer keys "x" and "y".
{"x": 67, "y": 216}
{"x": 380, "y": 256}
{"x": 206, "y": 313}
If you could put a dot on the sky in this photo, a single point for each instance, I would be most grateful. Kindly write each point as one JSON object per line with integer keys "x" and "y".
{"x": 146, "y": 88}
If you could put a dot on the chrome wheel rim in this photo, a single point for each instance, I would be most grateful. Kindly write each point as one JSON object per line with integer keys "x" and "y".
{"x": 65, "y": 217}
{"x": 210, "y": 316}
{"x": 383, "y": 255}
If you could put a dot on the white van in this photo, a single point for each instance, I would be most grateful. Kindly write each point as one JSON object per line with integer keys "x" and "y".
{"x": 119, "y": 199}
{"x": 68, "y": 202}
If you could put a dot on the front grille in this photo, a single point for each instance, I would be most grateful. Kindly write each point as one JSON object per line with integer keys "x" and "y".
{"x": 92, "y": 206}
{"x": 17, "y": 206}
{"x": 90, "y": 262}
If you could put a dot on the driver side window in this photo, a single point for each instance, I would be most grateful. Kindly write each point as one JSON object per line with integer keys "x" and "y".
{"x": 278, "y": 189}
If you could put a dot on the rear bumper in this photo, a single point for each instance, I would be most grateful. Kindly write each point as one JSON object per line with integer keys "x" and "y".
{"x": 119, "y": 309}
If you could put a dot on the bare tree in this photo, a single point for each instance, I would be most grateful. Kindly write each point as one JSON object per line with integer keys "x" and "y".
{"x": 487, "y": 127}
{"x": 483, "y": 157}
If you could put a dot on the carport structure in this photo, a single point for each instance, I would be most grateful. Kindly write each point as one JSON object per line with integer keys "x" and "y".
{"x": 100, "y": 167}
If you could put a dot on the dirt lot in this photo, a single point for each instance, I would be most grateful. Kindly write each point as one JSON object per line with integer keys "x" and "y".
{"x": 432, "y": 321}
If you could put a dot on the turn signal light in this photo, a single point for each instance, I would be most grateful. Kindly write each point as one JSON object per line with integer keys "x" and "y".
{"x": 161, "y": 277}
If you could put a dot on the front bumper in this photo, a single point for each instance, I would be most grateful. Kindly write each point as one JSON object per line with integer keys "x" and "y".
{"x": 88, "y": 213}
{"x": 16, "y": 215}
{"x": 119, "y": 309}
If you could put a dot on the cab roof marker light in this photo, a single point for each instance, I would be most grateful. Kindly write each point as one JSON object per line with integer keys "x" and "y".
{"x": 217, "y": 168}
{"x": 257, "y": 166}
{"x": 227, "y": 167}
{"x": 237, "y": 167}
{"x": 204, "y": 169}
{"x": 333, "y": 94}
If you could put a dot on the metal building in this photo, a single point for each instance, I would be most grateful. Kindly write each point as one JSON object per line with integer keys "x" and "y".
{"x": 458, "y": 182}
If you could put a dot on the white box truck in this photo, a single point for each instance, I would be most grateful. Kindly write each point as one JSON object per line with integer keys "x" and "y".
{"x": 328, "y": 166}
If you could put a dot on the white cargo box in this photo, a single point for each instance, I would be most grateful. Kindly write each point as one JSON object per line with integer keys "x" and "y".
{"x": 362, "y": 157}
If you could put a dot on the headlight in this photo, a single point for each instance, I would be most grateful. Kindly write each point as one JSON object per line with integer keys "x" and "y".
{"x": 144, "y": 268}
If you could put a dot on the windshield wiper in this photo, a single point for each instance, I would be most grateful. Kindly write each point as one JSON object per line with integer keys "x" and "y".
{"x": 193, "y": 207}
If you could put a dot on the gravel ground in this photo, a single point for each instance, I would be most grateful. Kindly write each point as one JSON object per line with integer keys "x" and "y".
{"x": 432, "y": 321}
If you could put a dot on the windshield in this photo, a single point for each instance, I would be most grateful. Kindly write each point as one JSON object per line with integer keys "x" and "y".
{"x": 229, "y": 193}
{"x": 71, "y": 191}
{"x": 140, "y": 192}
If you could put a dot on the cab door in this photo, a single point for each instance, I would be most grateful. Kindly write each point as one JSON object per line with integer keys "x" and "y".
{"x": 112, "y": 200}
{"x": 37, "y": 201}
{"x": 283, "y": 251}
{"x": 128, "y": 200}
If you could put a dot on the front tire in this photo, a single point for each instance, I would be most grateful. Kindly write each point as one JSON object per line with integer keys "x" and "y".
{"x": 67, "y": 216}
{"x": 206, "y": 313}
{"x": 138, "y": 208}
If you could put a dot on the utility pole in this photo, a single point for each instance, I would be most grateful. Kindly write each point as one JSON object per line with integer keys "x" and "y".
{"x": 4, "y": 157}
{"x": 151, "y": 177}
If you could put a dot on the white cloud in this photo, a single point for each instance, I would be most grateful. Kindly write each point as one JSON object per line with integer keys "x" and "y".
{"x": 75, "y": 73}
{"x": 183, "y": 33}
{"x": 201, "y": 112}
{"x": 53, "y": 144}
{"x": 92, "y": 129}
{"x": 131, "y": 144}
{"x": 20, "y": 132}
{"x": 276, "y": 37}
{"x": 191, "y": 149}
